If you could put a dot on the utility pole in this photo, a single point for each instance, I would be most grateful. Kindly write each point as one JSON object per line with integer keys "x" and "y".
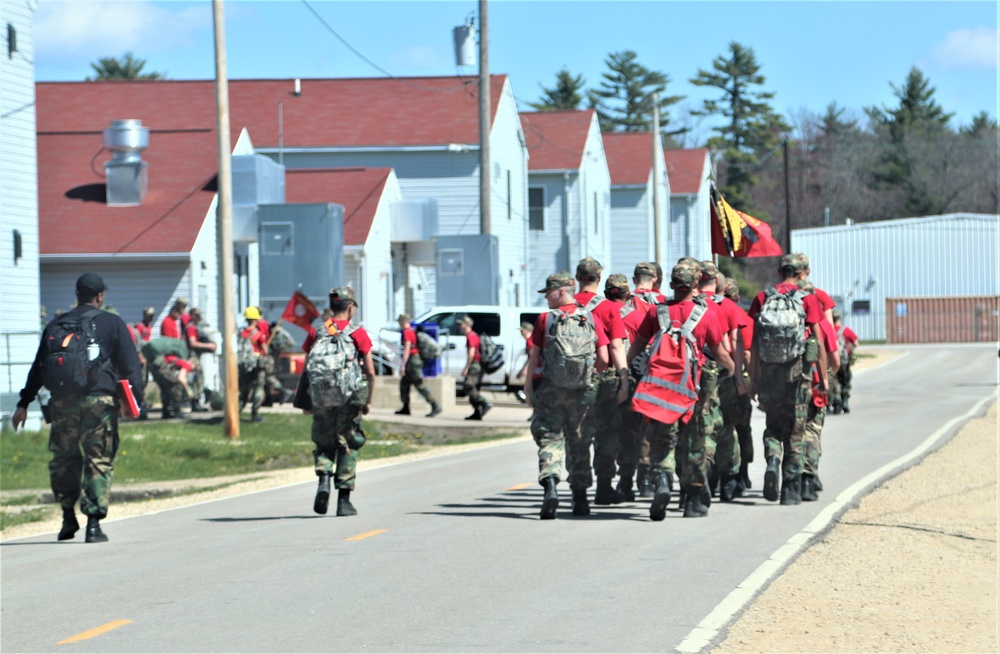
{"x": 657, "y": 162}
{"x": 788, "y": 200}
{"x": 484, "y": 118}
{"x": 224, "y": 226}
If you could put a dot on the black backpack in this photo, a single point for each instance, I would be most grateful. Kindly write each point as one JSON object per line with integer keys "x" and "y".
{"x": 490, "y": 354}
{"x": 69, "y": 367}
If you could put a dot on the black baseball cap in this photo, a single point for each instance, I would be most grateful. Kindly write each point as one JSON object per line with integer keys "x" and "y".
{"x": 90, "y": 284}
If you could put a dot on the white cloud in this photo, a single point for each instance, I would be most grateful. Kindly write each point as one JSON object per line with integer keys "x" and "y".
{"x": 67, "y": 31}
{"x": 967, "y": 49}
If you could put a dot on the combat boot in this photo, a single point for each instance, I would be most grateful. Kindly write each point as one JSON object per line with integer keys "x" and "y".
{"x": 69, "y": 526}
{"x": 729, "y": 488}
{"x": 625, "y": 488}
{"x": 196, "y": 407}
{"x": 405, "y": 411}
{"x": 256, "y": 418}
{"x": 836, "y": 408}
{"x": 484, "y": 408}
{"x": 658, "y": 509}
{"x": 322, "y": 493}
{"x": 344, "y": 506}
{"x": 550, "y": 502}
{"x": 581, "y": 506}
{"x": 94, "y": 533}
{"x": 605, "y": 494}
{"x": 435, "y": 409}
{"x": 808, "y": 489}
{"x": 697, "y": 502}
{"x": 745, "y": 476}
{"x": 643, "y": 481}
{"x": 845, "y": 406}
{"x": 817, "y": 484}
{"x": 771, "y": 479}
{"x": 791, "y": 491}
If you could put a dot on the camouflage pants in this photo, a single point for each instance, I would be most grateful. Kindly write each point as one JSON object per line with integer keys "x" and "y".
{"x": 727, "y": 446}
{"x": 785, "y": 392}
{"x": 603, "y": 425}
{"x": 633, "y": 448}
{"x": 196, "y": 378}
{"x": 472, "y": 383}
{"x": 252, "y": 388}
{"x": 83, "y": 442}
{"x": 840, "y": 384}
{"x": 557, "y": 427}
{"x": 812, "y": 445}
{"x": 699, "y": 434}
{"x": 172, "y": 391}
{"x": 338, "y": 436}
{"x": 663, "y": 442}
{"x": 271, "y": 381}
{"x": 744, "y": 432}
{"x": 413, "y": 376}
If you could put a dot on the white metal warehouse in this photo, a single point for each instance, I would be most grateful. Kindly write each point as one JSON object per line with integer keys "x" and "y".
{"x": 861, "y": 265}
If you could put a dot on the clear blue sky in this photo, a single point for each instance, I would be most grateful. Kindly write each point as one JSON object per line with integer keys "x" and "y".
{"x": 812, "y": 53}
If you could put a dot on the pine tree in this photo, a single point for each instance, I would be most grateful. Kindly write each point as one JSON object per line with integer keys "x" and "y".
{"x": 566, "y": 94}
{"x": 624, "y": 101}
{"x": 126, "y": 67}
{"x": 752, "y": 131}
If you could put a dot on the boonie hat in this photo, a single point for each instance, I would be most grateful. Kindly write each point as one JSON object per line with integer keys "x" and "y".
{"x": 343, "y": 293}
{"x": 558, "y": 280}
{"x": 795, "y": 260}
{"x": 709, "y": 270}
{"x": 685, "y": 274}
{"x": 251, "y": 313}
{"x": 90, "y": 284}
{"x": 589, "y": 268}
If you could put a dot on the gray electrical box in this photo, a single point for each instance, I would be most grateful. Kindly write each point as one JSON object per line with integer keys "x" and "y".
{"x": 299, "y": 244}
{"x": 467, "y": 269}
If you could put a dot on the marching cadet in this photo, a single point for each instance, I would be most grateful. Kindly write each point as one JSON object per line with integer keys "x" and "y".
{"x": 411, "y": 369}
{"x": 744, "y": 432}
{"x": 473, "y": 372}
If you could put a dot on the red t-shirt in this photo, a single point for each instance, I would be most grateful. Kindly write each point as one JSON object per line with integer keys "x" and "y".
{"x": 360, "y": 337}
{"x": 708, "y": 332}
{"x": 814, "y": 313}
{"x": 472, "y": 340}
{"x": 192, "y": 333}
{"x": 144, "y": 331}
{"x": 825, "y": 301}
{"x": 185, "y": 319}
{"x": 609, "y": 314}
{"x": 829, "y": 335}
{"x": 178, "y": 363}
{"x": 169, "y": 328}
{"x": 410, "y": 336}
{"x": 257, "y": 337}
{"x": 849, "y": 335}
{"x": 264, "y": 327}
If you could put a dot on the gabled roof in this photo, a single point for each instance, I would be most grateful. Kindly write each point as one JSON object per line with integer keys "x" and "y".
{"x": 182, "y": 156}
{"x": 357, "y": 189}
{"x": 685, "y": 169}
{"x": 630, "y": 157}
{"x": 73, "y": 217}
{"x": 556, "y": 140}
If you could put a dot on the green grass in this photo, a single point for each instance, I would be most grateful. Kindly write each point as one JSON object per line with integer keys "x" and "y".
{"x": 12, "y": 519}
{"x": 154, "y": 450}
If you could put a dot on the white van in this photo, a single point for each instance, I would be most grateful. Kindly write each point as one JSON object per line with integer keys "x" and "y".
{"x": 500, "y": 323}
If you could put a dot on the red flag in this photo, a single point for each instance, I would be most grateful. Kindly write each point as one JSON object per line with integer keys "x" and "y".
{"x": 300, "y": 311}
{"x": 736, "y": 234}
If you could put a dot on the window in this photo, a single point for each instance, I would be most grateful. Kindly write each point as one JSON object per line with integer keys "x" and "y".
{"x": 536, "y": 209}
{"x": 276, "y": 239}
{"x": 862, "y": 307}
{"x": 482, "y": 323}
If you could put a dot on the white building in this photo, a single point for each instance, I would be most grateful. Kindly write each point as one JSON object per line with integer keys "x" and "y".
{"x": 689, "y": 232}
{"x": 863, "y": 265}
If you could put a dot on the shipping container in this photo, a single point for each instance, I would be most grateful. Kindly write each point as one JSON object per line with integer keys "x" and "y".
{"x": 942, "y": 319}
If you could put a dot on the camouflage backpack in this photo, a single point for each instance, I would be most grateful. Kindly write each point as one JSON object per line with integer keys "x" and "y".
{"x": 248, "y": 359}
{"x": 427, "y": 347}
{"x": 570, "y": 350}
{"x": 333, "y": 370}
{"x": 490, "y": 354}
{"x": 780, "y": 330}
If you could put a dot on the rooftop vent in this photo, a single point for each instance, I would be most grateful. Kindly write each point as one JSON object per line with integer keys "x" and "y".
{"x": 126, "y": 172}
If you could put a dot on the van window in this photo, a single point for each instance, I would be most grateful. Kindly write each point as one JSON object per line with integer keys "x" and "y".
{"x": 482, "y": 323}
{"x": 530, "y": 317}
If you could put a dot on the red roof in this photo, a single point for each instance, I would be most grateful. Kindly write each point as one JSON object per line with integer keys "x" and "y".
{"x": 556, "y": 139}
{"x": 357, "y": 189}
{"x": 182, "y": 151}
{"x": 685, "y": 169}
{"x": 630, "y": 157}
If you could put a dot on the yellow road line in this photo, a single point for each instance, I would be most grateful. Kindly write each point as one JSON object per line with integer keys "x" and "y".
{"x": 367, "y": 534}
{"x": 521, "y": 486}
{"x": 97, "y": 631}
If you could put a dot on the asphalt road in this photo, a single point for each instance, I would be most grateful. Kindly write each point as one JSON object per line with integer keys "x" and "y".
{"x": 447, "y": 554}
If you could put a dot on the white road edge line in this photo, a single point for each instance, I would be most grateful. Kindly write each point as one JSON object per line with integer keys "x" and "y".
{"x": 706, "y": 631}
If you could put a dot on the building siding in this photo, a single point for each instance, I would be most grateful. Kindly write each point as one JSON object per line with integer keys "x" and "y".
{"x": 632, "y": 237}
{"x": 933, "y": 257}
{"x": 548, "y": 249}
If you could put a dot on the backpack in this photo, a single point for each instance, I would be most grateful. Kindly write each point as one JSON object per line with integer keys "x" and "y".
{"x": 248, "y": 359}
{"x": 72, "y": 355}
{"x": 570, "y": 351}
{"x": 842, "y": 346}
{"x": 780, "y": 331}
{"x": 333, "y": 370}
{"x": 490, "y": 354}
{"x": 669, "y": 390}
{"x": 427, "y": 347}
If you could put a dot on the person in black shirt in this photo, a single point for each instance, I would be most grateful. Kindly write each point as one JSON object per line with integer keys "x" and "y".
{"x": 85, "y": 421}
